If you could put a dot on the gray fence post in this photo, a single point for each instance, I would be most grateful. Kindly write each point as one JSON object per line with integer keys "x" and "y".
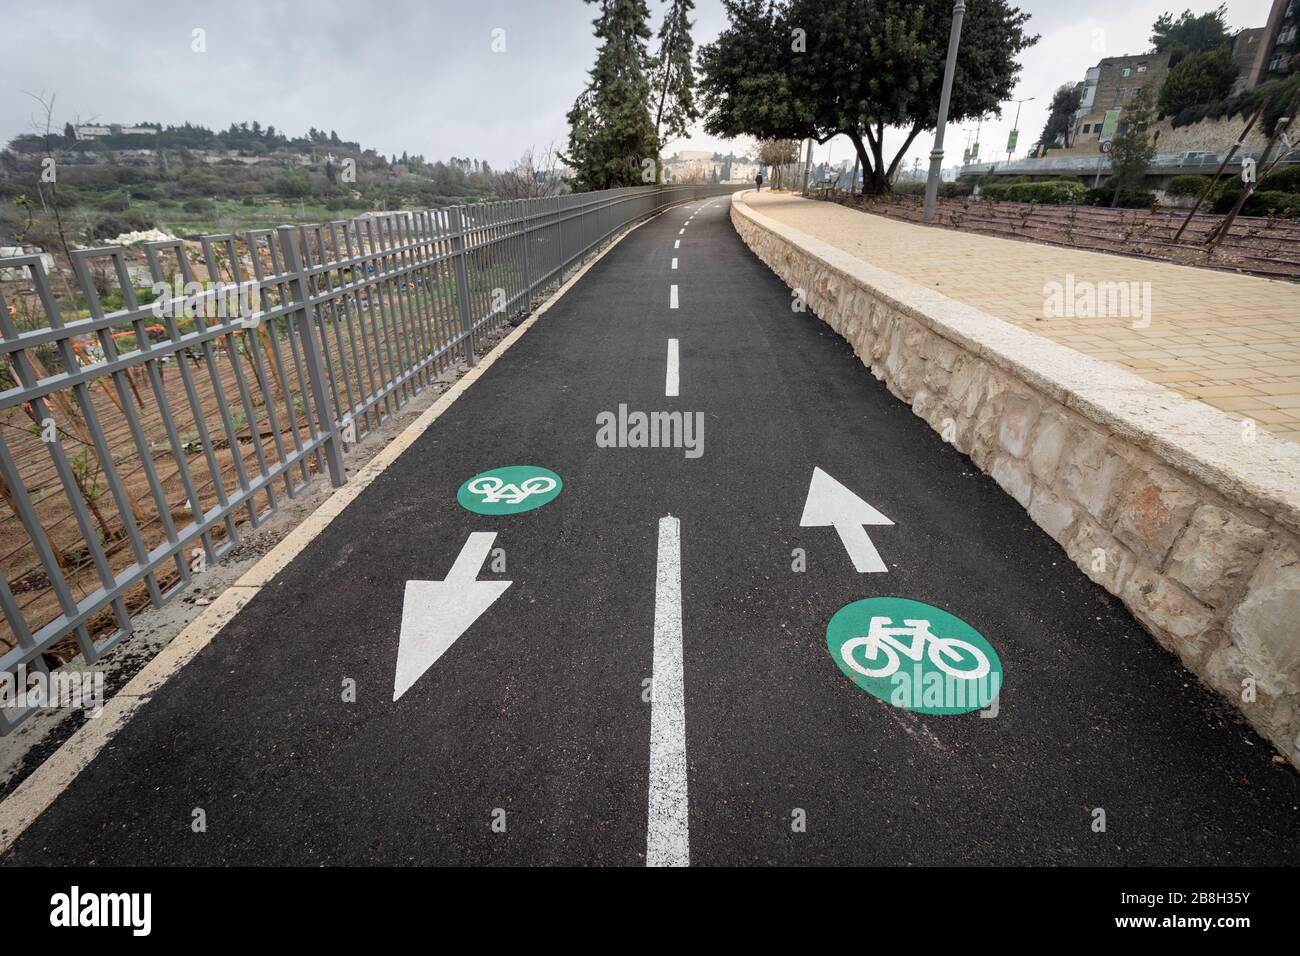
{"x": 528, "y": 281}
{"x": 301, "y": 293}
{"x": 456, "y": 219}
{"x": 559, "y": 235}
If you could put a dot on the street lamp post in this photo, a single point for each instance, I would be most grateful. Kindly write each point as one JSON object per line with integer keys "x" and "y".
{"x": 1015, "y": 127}
{"x": 936, "y": 154}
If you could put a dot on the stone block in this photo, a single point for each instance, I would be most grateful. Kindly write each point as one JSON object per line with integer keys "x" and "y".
{"x": 1152, "y": 512}
{"x": 1215, "y": 554}
{"x": 1265, "y": 626}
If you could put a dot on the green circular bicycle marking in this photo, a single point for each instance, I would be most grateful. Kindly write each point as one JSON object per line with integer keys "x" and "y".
{"x": 508, "y": 491}
{"x": 914, "y": 656}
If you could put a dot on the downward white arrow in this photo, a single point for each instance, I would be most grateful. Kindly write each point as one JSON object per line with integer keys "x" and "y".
{"x": 831, "y": 504}
{"x": 436, "y": 613}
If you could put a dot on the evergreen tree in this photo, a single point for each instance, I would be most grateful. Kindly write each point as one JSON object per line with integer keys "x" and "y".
{"x": 611, "y": 134}
{"x": 1133, "y": 148}
{"x": 1190, "y": 33}
{"x": 674, "y": 81}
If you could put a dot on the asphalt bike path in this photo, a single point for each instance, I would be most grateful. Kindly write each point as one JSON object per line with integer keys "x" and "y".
{"x": 655, "y": 684}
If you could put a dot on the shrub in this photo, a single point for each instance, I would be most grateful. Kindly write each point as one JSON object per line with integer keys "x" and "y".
{"x": 1272, "y": 202}
{"x": 109, "y": 226}
{"x": 202, "y": 207}
{"x": 1052, "y": 192}
{"x": 1128, "y": 198}
{"x": 138, "y": 220}
{"x": 1285, "y": 179}
{"x": 1186, "y": 185}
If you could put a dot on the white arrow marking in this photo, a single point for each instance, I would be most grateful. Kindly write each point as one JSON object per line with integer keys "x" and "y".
{"x": 436, "y": 613}
{"x": 830, "y": 504}
{"x": 668, "y": 834}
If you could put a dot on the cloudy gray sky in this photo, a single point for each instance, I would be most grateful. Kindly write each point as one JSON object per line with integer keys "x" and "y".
{"x": 420, "y": 75}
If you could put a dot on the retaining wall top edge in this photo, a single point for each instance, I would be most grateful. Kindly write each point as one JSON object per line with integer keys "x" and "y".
{"x": 1196, "y": 438}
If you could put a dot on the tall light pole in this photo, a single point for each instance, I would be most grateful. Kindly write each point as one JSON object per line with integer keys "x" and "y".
{"x": 936, "y": 154}
{"x": 1015, "y": 128}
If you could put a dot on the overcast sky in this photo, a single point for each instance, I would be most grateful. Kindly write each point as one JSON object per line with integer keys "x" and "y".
{"x": 420, "y": 75}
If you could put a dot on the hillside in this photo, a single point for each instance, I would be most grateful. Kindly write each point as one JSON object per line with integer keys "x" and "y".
{"x": 188, "y": 179}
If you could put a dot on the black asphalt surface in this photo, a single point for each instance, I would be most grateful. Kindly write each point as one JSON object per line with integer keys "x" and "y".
{"x": 538, "y": 708}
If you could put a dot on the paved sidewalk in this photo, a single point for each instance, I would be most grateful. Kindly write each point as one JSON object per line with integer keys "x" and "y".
{"x": 1231, "y": 341}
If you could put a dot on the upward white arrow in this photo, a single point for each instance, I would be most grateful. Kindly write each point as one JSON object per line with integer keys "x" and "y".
{"x": 831, "y": 504}
{"x": 436, "y": 613}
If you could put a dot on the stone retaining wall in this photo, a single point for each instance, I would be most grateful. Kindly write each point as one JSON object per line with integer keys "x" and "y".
{"x": 1190, "y": 517}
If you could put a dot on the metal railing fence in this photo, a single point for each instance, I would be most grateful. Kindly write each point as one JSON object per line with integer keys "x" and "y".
{"x": 152, "y": 410}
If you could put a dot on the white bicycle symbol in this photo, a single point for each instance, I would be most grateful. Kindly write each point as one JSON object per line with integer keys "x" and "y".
{"x": 880, "y": 639}
{"x": 492, "y": 489}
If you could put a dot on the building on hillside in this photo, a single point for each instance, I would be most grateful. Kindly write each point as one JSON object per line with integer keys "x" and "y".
{"x": 1275, "y": 56}
{"x": 1245, "y": 50}
{"x": 1118, "y": 79}
{"x": 112, "y": 129}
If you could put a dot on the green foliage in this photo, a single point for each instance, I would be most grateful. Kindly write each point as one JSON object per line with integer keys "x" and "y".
{"x": 294, "y": 186}
{"x": 1050, "y": 192}
{"x": 794, "y": 69}
{"x": 611, "y": 133}
{"x": 1264, "y": 201}
{"x": 672, "y": 77}
{"x": 1198, "y": 78}
{"x": 1285, "y": 179}
{"x": 109, "y": 227}
{"x": 1273, "y": 202}
{"x": 1275, "y": 95}
{"x": 1133, "y": 149}
{"x": 1189, "y": 33}
{"x": 1060, "y": 118}
{"x": 1124, "y": 199}
{"x": 1186, "y": 185}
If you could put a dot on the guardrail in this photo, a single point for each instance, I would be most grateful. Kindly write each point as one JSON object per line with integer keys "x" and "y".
{"x": 1189, "y": 161}
{"x": 139, "y": 435}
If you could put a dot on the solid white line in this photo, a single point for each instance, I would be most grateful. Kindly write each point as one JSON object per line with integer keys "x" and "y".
{"x": 670, "y": 379}
{"x": 672, "y": 298}
{"x": 667, "y": 832}
{"x": 674, "y": 262}
{"x": 677, "y": 243}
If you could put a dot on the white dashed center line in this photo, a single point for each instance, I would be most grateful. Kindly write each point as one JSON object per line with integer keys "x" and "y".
{"x": 672, "y": 298}
{"x": 674, "y": 262}
{"x": 668, "y": 840}
{"x": 671, "y": 380}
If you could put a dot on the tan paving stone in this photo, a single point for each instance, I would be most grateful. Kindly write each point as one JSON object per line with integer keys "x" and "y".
{"x": 1227, "y": 339}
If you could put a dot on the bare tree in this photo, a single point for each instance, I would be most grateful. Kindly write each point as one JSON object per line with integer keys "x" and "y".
{"x": 778, "y": 153}
{"x": 532, "y": 176}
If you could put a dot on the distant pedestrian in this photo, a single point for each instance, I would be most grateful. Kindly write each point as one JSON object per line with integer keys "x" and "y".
{"x": 758, "y": 181}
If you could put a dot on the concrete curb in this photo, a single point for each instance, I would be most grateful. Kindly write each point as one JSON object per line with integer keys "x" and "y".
{"x": 1173, "y": 506}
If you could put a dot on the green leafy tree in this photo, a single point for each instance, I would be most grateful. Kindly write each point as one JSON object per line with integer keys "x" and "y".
{"x": 795, "y": 69}
{"x": 1190, "y": 33}
{"x": 1060, "y": 119}
{"x": 1198, "y": 78}
{"x": 611, "y": 134}
{"x": 1133, "y": 147}
{"x": 673, "y": 78}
